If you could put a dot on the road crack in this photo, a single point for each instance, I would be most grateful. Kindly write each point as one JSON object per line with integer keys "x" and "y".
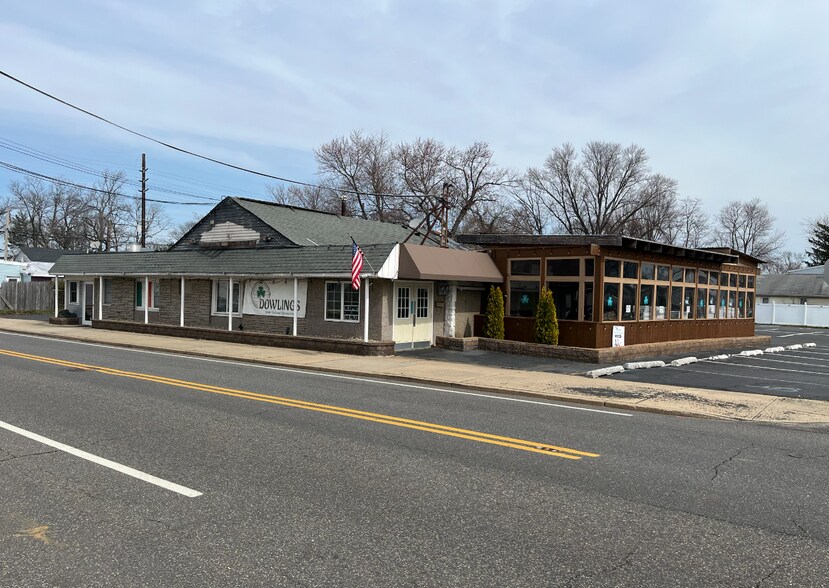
{"x": 625, "y": 561}
{"x": 767, "y": 576}
{"x": 13, "y": 456}
{"x": 725, "y": 461}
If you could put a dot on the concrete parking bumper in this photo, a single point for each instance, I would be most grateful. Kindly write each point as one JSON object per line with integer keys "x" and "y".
{"x": 617, "y": 394}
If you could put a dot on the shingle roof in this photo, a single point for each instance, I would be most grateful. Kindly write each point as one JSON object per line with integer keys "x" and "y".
{"x": 311, "y": 227}
{"x": 330, "y": 261}
{"x": 794, "y": 285}
{"x": 44, "y": 253}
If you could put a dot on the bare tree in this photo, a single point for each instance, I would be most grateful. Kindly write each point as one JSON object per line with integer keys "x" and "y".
{"x": 785, "y": 261}
{"x": 476, "y": 179}
{"x": 313, "y": 197}
{"x": 156, "y": 221}
{"x": 600, "y": 191}
{"x": 364, "y": 167}
{"x": 423, "y": 168}
{"x": 693, "y": 226}
{"x": 748, "y": 227}
{"x": 31, "y": 221}
{"x": 659, "y": 220}
{"x": 529, "y": 213}
{"x": 107, "y": 218}
{"x": 68, "y": 209}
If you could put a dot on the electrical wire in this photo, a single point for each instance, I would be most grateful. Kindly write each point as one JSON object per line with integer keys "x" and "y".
{"x": 204, "y": 157}
{"x": 69, "y": 164}
{"x": 41, "y": 176}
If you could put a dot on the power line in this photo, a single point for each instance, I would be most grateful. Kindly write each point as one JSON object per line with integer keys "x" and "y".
{"x": 41, "y": 176}
{"x": 205, "y": 157}
{"x": 69, "y": 164}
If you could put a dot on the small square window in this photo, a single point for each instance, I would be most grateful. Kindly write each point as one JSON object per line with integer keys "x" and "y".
{"x": 525, "y": 267}
{"x": 631, "y": 270}
{"x": 648, "y": 271}
{"x": 563, "y": 267}
{"x": 611, "y": 268}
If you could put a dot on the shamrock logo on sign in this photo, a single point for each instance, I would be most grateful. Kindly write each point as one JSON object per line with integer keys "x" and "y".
{"x": 260, "y": 292}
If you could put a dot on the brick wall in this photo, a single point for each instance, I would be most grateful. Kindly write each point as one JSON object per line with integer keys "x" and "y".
{"x": 350, "y": 346}
{"x": 198, "y": 306}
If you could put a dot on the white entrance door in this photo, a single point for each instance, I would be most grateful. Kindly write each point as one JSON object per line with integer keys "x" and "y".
{"x": 413, "y": 314}
{"x": 87, "y": 303}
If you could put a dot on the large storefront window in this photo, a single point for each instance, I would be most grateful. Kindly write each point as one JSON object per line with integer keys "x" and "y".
{"x": 566, "y": 299}
{"x": 523, "y": 298}
{"x": 623, "y": 279}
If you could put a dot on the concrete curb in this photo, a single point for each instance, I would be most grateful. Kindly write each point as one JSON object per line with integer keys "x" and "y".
{"x": 643, "y": 365}
{"x": 616, "y": 369}
{"x": 684, "y": 361}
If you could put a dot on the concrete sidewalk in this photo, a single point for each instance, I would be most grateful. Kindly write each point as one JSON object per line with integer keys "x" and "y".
{"x": 551, "y": 386}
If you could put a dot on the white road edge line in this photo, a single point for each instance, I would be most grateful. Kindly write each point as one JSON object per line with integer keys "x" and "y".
{"x": 327, "y": 375}
{"x": 173, "y": 487}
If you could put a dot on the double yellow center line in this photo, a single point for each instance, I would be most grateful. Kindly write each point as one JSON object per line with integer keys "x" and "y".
{"x": 554, "y": 450}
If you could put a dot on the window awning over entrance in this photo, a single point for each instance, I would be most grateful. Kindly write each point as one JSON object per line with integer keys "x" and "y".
{"x": 419, "y": 262}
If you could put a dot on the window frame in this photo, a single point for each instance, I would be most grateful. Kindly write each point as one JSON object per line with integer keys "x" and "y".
{"x": 342, "y": 285}
{"x": 621, "y": 281}
{"x": 214, "y": 297}
{"x": 77, "y": 292}
{"x": 153, "y": 285}
{"x": 583, "y": 278}
{"x": 107, "y": 292}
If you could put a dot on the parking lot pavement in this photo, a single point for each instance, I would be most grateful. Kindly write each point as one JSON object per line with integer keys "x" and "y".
{"x": 801, "y": 373}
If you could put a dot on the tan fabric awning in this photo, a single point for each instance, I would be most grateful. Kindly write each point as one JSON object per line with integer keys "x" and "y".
{"x": 419, "y": 262}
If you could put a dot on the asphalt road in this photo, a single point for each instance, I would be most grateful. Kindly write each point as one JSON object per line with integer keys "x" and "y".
{"x": 298, "y": 486}
{"x": 802, "y": 373}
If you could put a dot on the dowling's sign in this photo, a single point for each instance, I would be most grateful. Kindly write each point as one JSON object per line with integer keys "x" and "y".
{"x": 275, "y": 298}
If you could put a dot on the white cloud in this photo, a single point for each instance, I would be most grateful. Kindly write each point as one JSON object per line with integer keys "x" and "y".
{"x": 728, "y": 97}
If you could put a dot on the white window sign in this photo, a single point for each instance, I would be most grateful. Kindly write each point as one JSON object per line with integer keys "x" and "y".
{"x": 618, "y": 336}
{"x": 275, "y": 298}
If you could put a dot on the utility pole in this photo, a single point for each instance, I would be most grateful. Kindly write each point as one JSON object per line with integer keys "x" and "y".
{"x": 6, "y": 234}
{"x": 444, "y": 215}
{"x": 143, "y": 200}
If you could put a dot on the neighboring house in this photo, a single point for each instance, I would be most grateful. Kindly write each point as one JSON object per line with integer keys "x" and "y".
{"x": 655, "y": 291}
{"x": 38, "y": 262}
{"x": 802, "y": 286}
{"x": 11, "y": 271}
{"x": 265, "y": 267}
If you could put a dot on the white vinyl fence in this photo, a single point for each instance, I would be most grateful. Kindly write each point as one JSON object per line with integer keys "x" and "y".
{"x": 807, "y": 315}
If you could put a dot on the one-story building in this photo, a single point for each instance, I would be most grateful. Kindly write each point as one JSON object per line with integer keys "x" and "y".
{"x": 802, "y": 286}
{"x": 250, "y": 265}
{"x": 650, "y": 292}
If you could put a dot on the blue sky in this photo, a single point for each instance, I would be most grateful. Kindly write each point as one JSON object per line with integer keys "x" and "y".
{"x": 730, "y": 97}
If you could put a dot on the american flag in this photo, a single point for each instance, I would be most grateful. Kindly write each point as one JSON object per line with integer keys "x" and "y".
{"x": 356, "y": 265}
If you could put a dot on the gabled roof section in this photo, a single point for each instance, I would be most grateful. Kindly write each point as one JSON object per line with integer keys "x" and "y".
{"x": 309, "y": 228}
{"x": 43, "y": 253}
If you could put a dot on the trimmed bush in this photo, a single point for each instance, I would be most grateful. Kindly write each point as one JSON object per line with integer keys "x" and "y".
{"x": 66, "y": 314}
{"x": 546, "y": 320}
{"x": 494, "y": 318}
